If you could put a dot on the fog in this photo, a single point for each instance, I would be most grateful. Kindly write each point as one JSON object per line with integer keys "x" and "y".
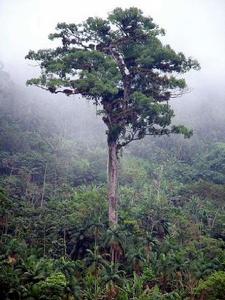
{"x": 197, "y": 28}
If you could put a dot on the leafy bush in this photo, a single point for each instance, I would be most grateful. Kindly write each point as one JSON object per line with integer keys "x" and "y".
{"x": 212, "y": 288}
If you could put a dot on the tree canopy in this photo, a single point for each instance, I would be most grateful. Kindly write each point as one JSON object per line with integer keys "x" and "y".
{"x": 122, "y": 66}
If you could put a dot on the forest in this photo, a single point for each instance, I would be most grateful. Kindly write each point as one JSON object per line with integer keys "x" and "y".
{"x": 69, "y": 230}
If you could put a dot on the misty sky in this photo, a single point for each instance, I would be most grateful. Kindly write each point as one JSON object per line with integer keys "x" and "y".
{"x": 196, "y": 27}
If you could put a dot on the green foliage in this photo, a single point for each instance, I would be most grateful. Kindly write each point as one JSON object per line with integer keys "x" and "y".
{"x": 122, "y": 66}
{"x": 211, "y": 166}
{"x": 213, "y": 287}
{"x": 52, "y": 288}
{"x": 171, "y": 236}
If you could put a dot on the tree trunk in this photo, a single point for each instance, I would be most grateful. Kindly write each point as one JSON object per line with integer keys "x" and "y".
{"x": 112, "y": 183}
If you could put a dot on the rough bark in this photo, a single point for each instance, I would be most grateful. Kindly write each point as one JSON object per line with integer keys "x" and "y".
{"x": 112, "y": 183}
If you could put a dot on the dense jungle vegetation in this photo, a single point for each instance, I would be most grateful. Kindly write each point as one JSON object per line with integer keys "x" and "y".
{"x": 55, "y": 241}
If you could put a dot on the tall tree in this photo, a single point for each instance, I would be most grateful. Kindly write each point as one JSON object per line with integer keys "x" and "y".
{"x": 121, "y": 65}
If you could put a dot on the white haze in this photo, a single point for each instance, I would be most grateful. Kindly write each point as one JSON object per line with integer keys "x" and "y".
{"x": 195, "y": 27}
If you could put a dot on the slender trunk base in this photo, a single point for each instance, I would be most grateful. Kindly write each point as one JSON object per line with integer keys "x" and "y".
{"x": 112, "y": 184}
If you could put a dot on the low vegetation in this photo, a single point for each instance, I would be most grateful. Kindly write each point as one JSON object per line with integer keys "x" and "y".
{"x": 55, "y": 239}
